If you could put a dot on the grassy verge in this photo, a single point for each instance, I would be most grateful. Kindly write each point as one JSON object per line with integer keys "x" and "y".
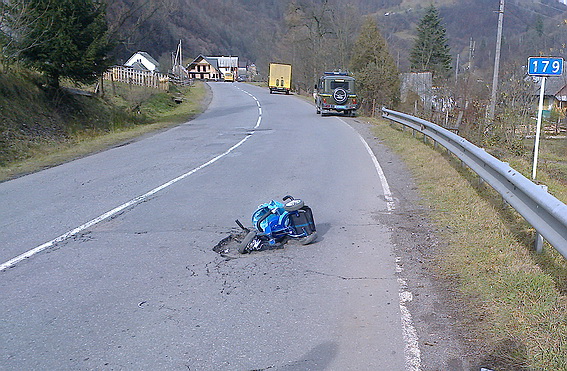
{"x": 89, "y": 125}
{"x": 514, "y": 303}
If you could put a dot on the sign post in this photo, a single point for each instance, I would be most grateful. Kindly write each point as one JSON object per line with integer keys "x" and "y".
{"x": 543, "y": 67}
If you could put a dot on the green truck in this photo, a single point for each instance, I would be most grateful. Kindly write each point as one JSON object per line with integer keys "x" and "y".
{"x": 336, "y": 91}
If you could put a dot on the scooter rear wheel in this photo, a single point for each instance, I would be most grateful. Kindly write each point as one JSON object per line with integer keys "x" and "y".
{"x": 307, "y": 240}
{"x": 243, "y": 246}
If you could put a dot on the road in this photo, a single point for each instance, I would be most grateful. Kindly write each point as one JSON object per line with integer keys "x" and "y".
{"x": 140, "y": 288}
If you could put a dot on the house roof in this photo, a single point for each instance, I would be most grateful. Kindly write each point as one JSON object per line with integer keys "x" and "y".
{"x": 146, "y": 56}
{"x": 554, "y": 85}
{"x": 216, "y": 62}
{"x": 227, "y": 61}
{"x": 138, "y": 66}
{"x": 149, "y": 58}
{"x": 210, "y": 60}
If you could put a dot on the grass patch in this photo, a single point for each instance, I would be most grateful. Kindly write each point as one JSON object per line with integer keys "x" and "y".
{"x": 513, "y": 300}
{"x": 41, "y": 129}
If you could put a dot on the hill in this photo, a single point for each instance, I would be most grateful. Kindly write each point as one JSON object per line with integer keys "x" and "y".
{"x": 252, "y": 29}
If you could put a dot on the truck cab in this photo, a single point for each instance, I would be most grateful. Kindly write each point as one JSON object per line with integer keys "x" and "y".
{"x": 336, "y": 91}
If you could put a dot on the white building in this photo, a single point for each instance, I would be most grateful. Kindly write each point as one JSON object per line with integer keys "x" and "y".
{"x": 142, "y": 61}
{"x": 227, "y": 64}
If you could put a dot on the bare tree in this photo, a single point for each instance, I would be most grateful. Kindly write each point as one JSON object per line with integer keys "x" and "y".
{"x": 345, "y": 23}
{"x": 125, "y": 21}
{"x": 319, "y": 37}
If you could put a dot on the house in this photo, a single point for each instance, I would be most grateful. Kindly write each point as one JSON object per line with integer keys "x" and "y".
{"x": 212, "y": 68}
{"x": 142, "y": 61}
{"x": 204, "y": 68}
{"x": 555, "y": 95}
{"x": 228, "y": 64}
{"x": 420, "y": 84}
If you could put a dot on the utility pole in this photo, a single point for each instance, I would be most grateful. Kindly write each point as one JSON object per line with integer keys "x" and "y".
{"x": 457, "y": 69}
{"x": 492, "y": 107}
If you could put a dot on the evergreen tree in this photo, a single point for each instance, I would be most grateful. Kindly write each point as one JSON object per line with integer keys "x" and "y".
{"x": 66, "y": 38}
{"x": 374, "y": 68}
{"x": 431, "y": 51}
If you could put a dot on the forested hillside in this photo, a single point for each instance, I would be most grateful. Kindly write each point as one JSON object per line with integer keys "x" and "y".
{"x": 255, "y": 29}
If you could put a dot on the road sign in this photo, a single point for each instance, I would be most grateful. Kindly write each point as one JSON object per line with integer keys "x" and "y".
{"x": 545, "y": 66}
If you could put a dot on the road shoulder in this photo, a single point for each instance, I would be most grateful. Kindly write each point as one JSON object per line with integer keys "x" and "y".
{"x": 441, "y": 341}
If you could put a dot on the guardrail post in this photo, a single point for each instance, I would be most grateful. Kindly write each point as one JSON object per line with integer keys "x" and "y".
{"x": 538, "y": 244}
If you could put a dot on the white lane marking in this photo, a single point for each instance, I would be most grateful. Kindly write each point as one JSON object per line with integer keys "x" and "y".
{"x": 108, "y": 214}
{"x": 412, "y": 352}
{"x": 390, "y": 203}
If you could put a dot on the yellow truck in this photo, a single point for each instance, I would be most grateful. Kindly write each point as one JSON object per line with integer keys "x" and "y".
{"x": 280, "y": 77}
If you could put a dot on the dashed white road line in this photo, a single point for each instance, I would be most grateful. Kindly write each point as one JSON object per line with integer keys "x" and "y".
{"x": 12, "y": 262}
{"x": 411, "y": 351}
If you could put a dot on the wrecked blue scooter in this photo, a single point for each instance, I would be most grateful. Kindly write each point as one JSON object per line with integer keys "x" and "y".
{"x": 276, "y": 222}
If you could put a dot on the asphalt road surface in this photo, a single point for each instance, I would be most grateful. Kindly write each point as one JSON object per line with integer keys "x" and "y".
{"x": 123, "y": 275}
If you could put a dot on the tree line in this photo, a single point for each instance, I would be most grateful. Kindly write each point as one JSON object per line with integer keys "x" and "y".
{"x": 329, "y": 35}
{"x": 73, "y": 39}
{"x": 63, "y": 38}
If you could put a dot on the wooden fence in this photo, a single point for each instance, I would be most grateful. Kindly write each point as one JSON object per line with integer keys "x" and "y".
{"x": 137, "y": 77}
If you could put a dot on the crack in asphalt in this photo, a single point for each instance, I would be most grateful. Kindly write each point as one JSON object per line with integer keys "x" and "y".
{"x": 347, "y": 278}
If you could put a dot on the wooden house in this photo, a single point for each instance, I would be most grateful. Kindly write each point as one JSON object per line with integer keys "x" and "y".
{"x": 212, "y": 68}
{"x": 555, "y": 94}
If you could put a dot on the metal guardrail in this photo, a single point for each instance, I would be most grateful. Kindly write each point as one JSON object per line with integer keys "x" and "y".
{"x": 546, "y": 214}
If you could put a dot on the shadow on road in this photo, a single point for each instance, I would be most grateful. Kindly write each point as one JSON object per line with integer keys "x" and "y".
{"x": 317, "y": 359}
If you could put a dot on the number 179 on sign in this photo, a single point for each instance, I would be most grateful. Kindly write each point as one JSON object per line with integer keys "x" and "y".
{"x": 545, "y": 66}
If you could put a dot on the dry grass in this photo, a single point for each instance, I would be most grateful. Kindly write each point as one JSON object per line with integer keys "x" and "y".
{"x": 48, "y": 153}
{"x": 515, "y": 300}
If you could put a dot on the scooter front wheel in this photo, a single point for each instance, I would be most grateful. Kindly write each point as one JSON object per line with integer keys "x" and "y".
{"x": 243, "y": 246}
{"x": 293, "y": 205}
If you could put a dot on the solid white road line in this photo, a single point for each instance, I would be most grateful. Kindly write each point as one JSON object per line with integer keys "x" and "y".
{"x": 134, "y": 201}
{"x": 412, "y": 352}
{"x": 390, "y": 204}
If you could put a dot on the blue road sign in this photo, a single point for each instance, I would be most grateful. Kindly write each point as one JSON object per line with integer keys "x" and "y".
{"x": 545, "y": 66}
